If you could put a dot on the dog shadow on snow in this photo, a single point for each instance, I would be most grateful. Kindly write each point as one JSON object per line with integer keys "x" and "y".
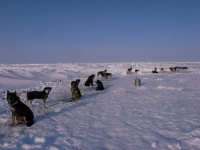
{"x": 51, "y": 111}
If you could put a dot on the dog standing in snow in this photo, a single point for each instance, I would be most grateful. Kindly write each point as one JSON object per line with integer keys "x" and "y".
{"x": 101, "y": 73}
{"x": 38, "y": 95}
{"x": 106, "y": 75}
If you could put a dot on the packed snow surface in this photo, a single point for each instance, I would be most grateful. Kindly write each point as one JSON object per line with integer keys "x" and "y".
{"x": 162, "y": 113}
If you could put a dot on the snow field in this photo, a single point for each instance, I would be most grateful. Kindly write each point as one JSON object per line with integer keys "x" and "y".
{"x": 162, "y": 113}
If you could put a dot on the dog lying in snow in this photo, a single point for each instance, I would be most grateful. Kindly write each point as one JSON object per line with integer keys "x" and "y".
{"x": 20, "y": 112}
{"x": 38, "y": 95}
{"x": 76, "y": 93}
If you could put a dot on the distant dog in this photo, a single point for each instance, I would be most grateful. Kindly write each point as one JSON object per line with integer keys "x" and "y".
{"x": 19, "y": 110}
{"x": 38, "y": 95}
{"x": 155, "y": 70}
{"x": 76, "y": 93}
{"x": 174, "y": 69}
{"x": 129, "y": 70}
{"x": 101, "y": 73}
{"x": 106, "y": 75}
{"x": 184, "y": 68}
{"x": 100, "y": 86}
{"x": 89, "y": 81}
{"x": 136, "y": 70}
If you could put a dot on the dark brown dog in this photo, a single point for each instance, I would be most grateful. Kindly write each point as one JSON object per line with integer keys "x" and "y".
{"x": 76, "y": 93}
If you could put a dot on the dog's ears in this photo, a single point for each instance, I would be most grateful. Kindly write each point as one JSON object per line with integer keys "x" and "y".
{"x": 49, "y": 88}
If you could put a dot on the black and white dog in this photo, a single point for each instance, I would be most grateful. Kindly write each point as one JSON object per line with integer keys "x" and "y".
{"x": 100, "y": 86}
{"x": 101, "y": 73}
{"x": 76, "y": 93}
{"x": 38, "y": 95}
{"x": 89, "y": 81}
{"x": 106, "y": 75}
{"x": 129, "y": 71}
{"x": 20, "y": 112}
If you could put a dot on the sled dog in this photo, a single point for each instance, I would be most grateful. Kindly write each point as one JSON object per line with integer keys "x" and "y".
{"x": 38, "y": 95}
{"x": 100, "y": 86}
{"x": 76, "y": 93}
{"x": 20, "y": 112}
{"x": 89, "y": 81}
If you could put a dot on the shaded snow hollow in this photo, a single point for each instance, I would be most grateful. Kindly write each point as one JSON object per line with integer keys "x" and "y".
{"x": 162, "y": 113}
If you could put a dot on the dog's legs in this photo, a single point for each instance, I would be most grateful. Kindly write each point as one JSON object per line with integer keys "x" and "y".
{"x": 73, "y": 97}
{"x": 28, "y": 101}
{"x": 19, "y": 120}
{"x": 13, "y": 119}
{"x": 24, "y": 120}
{"x": 44, "y": 101}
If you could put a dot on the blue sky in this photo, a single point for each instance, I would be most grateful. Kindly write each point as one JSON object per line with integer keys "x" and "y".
{"x": 60, "y": 31}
